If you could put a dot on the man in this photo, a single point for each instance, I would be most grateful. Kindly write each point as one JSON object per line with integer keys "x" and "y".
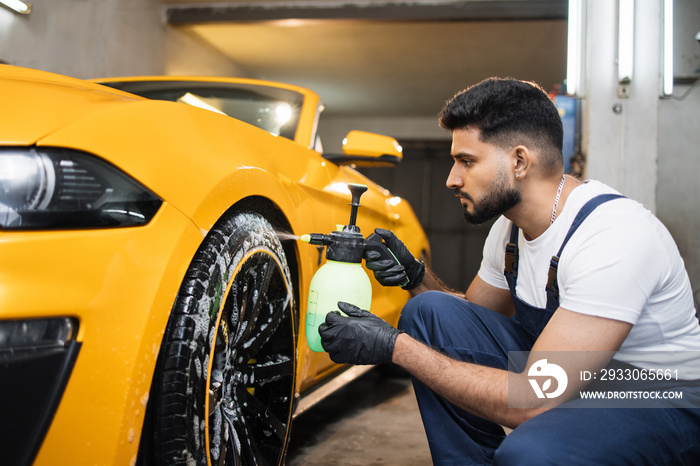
{"x": 617, "y": 286}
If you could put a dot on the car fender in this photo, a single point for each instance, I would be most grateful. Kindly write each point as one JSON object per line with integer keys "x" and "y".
{"x": 200, "y": 162}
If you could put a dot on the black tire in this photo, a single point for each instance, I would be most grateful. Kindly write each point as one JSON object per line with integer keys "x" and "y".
{"x": 225, "y": 385}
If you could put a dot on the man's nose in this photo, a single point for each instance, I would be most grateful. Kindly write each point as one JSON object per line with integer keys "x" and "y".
{"x": 453, "y": 179}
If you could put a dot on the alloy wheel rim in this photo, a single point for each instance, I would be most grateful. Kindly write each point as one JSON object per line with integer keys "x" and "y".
{"x": 250, "y": 378}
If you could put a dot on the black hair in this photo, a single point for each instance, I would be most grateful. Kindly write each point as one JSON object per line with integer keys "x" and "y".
{"x": 508, "y": 112}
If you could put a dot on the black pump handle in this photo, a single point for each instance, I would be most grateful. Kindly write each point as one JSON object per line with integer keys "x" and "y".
{"x": 356, "y": 190}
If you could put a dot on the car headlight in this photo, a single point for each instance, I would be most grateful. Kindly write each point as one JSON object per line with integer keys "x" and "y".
{"x": 53, "y": 188}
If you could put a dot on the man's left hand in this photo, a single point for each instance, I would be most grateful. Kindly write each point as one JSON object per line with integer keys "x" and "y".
{"x": 360, "y": 338}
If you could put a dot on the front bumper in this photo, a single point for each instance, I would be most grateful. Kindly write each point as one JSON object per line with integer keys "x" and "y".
{"x": 33, "y": 380}
{"x": 118, "y": 286}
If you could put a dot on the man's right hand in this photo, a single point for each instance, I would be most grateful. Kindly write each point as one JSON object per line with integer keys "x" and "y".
{"x": 401, "y": 270}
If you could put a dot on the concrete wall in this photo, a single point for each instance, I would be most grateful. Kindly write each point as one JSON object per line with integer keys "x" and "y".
{"x": 678, "y": 191}
{"x": 646, "y": 146}
{"x": 621, "y": 135}
{"x": 93, "y": 38}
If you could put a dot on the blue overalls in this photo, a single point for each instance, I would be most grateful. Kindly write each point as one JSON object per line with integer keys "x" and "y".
{"x": 561, "y": 436}
{"x": 534, "y": 319}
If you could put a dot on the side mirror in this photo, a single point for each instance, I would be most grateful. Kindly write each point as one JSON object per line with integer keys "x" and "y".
{"x": 368, "y": 149}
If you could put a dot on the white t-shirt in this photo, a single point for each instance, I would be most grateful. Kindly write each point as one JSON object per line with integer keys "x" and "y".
{"x": 621, "y": 263}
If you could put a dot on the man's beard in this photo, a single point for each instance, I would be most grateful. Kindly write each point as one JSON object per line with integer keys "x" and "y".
{"x": 495, "y": 203}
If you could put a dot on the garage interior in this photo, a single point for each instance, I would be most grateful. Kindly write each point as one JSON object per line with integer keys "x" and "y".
{"x": 388, "y": 66}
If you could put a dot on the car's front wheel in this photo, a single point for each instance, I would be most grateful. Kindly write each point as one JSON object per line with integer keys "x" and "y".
{"x": 225, "y": 386}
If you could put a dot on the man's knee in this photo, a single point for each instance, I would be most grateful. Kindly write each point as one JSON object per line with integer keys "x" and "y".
{"x": 414, "y": 309}
{"x": 419, "y": 316}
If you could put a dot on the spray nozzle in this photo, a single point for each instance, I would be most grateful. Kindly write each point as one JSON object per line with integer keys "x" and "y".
{"x": 316, "y": 238}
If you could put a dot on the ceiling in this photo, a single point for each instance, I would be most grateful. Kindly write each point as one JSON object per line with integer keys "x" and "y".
{"x": 383, "y": 58}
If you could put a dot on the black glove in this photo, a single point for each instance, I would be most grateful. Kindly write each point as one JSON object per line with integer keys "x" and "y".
{"x": 360, "y": 338}
{"x": 399, "y": 268}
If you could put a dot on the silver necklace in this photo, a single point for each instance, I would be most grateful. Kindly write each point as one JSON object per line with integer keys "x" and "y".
{"x": 556, "y": 199}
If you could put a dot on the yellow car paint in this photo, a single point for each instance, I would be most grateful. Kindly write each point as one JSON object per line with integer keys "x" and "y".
{"x": 121, "y": 283}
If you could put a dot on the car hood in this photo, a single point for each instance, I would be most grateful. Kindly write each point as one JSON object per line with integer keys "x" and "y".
{"x": 24, "y": 121}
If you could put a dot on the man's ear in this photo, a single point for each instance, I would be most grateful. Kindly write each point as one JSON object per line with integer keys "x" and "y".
{"x": 522, "y": 161}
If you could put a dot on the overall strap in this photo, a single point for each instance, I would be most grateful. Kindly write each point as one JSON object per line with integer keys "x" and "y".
{"x": 588, "y": 207}
{"x": 511, "y": 267}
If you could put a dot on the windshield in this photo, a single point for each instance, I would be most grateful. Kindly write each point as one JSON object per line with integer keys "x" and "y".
{"x": 273, "y": 109}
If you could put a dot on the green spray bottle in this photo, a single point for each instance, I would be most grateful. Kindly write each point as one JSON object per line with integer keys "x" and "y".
{"x": 342, "y": 277}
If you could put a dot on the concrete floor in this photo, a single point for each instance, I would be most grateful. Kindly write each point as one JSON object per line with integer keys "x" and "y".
{"x": 372, "y": 421}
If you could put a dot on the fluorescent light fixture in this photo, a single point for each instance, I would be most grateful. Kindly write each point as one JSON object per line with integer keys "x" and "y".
{"x": 574, "y": 71}
{"x": 625, "y": 41}
{"x": 17, "y": 6}
{"x": 668, "y": 48}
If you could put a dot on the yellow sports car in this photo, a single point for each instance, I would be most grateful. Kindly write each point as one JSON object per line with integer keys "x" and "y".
{"x": 152, "y": 291}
